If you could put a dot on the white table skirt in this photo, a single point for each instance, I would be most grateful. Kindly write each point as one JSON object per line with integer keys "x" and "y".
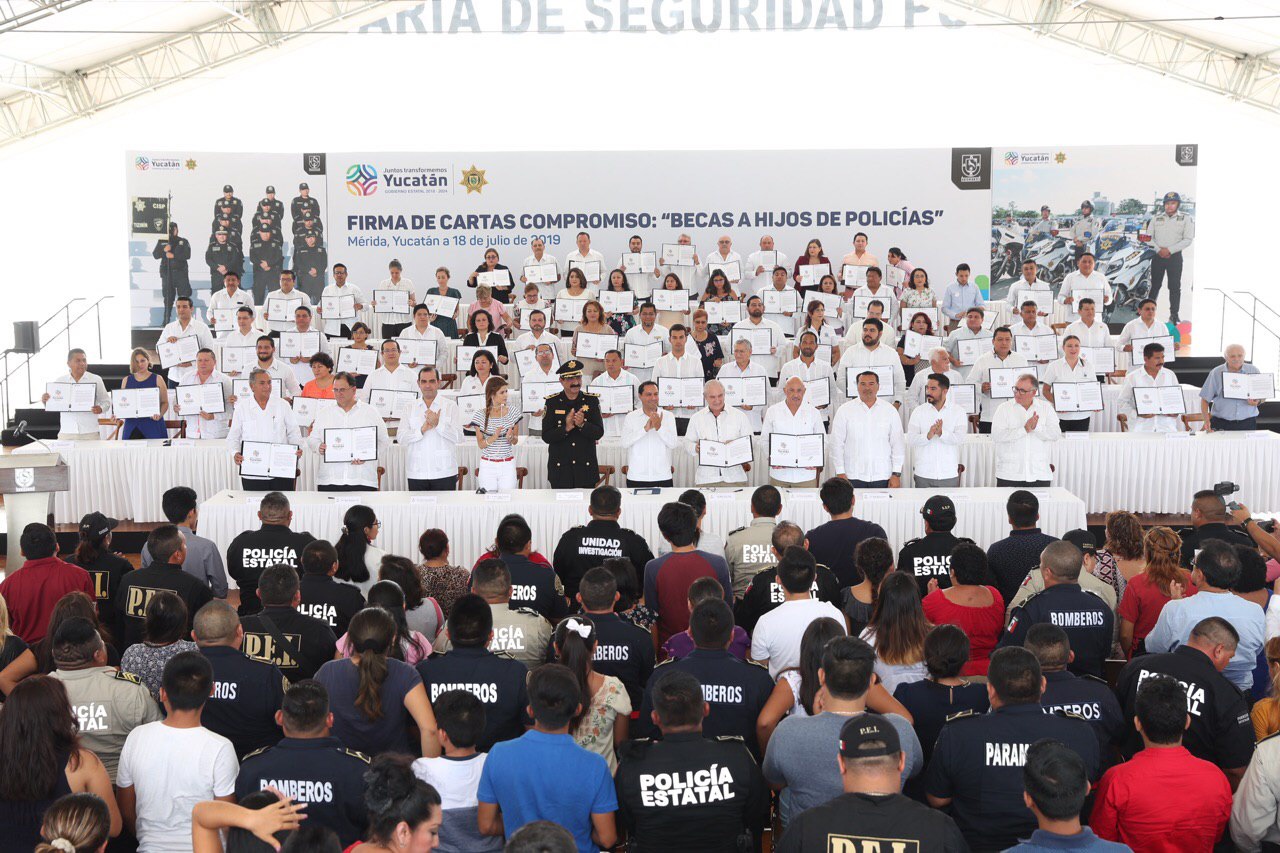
{"x": 470, "y": 519}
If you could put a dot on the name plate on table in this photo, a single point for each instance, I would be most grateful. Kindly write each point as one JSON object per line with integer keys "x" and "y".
{"x": 498, "y": 497}
{"x": 874, "y": 496}
{"x": 417, "y": 500}
{"x": 182, "y": 442}
{"x": 570, "y": 496}
{"x": 345, "y": 500}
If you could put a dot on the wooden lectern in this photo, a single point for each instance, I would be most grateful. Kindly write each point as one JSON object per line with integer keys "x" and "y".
{"x": 28, "y": 481}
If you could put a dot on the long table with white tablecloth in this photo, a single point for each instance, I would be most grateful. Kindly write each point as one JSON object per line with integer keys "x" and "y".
{"x": 1142, "y": 473}
{"x": 471, "y": 519}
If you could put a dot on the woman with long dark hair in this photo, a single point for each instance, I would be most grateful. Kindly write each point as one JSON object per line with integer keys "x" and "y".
{"x": 813, "y": 254}
{"x": 897, "y": 630}
{"x": 1162, "y": 579}
{"x": 422, "y": 614}
{"x": 497, "y": 431}
{"x": 921, "y": 324}
{"x": 503, "y": 284}
{"x": 483, "y": 334}
{"x": 916, "y": 292}
{"x": 39, "y": 658}
{"x": 404, "y": 812}
{"x": 601, "y": 725}
{"x": 621, "y": 323}
{"x": 874, "y": 559}
{"x": 815, "y": 320}
{"x": 409, "y": 645}
{"x": 441, "y": 579}
{"x": 667, "y": 319}
{"x": 719, "y": 290}
{"x": 358, "y": 557}
{"x": 165, "y": 625}
{"x": 576, "y": 287}
{"x": 43, "y": 760}
{"x": 372, "y": 695}
{"x": 593, "y": 323}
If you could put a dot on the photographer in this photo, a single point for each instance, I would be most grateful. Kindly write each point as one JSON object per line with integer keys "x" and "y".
{"x": 1210, "y": 519}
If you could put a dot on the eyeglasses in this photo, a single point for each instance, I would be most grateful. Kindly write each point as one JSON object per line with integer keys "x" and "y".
{"x": 1024, "y": 390}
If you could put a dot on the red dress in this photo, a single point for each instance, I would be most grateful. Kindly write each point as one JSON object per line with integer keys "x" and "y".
{"x": 983, "y": 625}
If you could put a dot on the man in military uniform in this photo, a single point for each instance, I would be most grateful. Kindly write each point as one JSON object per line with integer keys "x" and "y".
{"x": 765, "y": 592}
{"x": 1170, "y": 231}
{"x": 571, "y": 427}
{"x": 303, "y": 205}
{"x": 233, "y": 227}
{"x": 228, "y": 200}
{"x": 264, "y": 219}
{"x": 311, "y": 261}
{"x": 107, "y": 704}
{"x": 1044, "y": 226}
{"x": 496, "y": 680}
{"x": 1085, "y": 616}
{"x": 976, "y": 767}
{"x": 277, "y": 206}
{"x": 301, "y": 227}
{"x": 749, "y": 550}
{"x": 311, "y": 766}
{"x": 518, "y": 632}
{"x": 623, "y": 649}
{"x": 266, "y": 260}
{"x": 929, "y": 557}
{"x": 1085, "y": 229}
{"x": 586, "y": 546}
{"x": 299, "y": 645}
{"x": 246, "y": 693}
{"x": 222, "y": 257}
{"x": 735, "y": 691}
{"x": 721, "y": 793}
{"x": 173, "y": 255}
{"x": 1082, "y": 695}
{"x": 1220, "y": 730}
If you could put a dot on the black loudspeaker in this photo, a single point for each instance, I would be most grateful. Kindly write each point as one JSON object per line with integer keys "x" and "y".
{"x": 26, "y": 336}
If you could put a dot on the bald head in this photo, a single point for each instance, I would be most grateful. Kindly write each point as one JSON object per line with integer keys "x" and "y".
{"x": 1209, "y": 506}
{"x": 1063, "y": 561}
{"x": 1214, "y": 631}
{"x": 216, "y": 624}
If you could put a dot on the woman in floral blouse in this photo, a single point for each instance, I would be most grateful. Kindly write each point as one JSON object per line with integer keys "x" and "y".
{"x": 165, "y": 626}
{"x": 602, "y": 725}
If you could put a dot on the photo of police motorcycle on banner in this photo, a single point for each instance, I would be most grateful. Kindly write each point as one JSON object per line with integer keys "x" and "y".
{"x": 248, "y": 213}
{"x": 1133, "y": 208}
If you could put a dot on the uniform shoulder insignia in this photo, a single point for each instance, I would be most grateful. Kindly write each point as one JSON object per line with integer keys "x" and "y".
{"x": 1063, "y": 712}
{"x": 528, "y": 611}
{"x": 731, "y": 739}
{"x": 1272, "y": 736}
{"x": 549, "y": 396}
{"x": 128, "y": 676}
{"x": 756, "y": 663}
{"x": 359, "y": 755}
{"x": 665, "y": 662}
{"x": 503, "y": 653}
{"x": 737, "y": 530}
{"x": 1087, "y": 677}
{"x": 824, "y": 566}
{"x": 962, "y": 715}
{"x": 255, "y": 752}
{"x": 911, "y": 542}
{"x": 589, "y": 394}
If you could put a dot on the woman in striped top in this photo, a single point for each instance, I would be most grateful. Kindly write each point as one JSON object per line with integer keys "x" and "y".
{"x": 497, "y": 433}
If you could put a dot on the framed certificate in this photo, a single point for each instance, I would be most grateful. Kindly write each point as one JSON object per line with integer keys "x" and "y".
{"x": 745, "y": 391}
{"x": 392, "y": 301}
{"x": 641, "y": 355}
{"x": 466, "y": 355}
{"x": 797, "y": 451}
{"x": 494, "y": 279}
{"x": 468, "y": 405}
{"x": 830, "y": 301}
{"x": 908, "y": 314}
{"x": 971, "y": 349}
{"x": 1248, "y": 386}
{"x": 618, "y": 301}
{"x": 391, "y": 403}
{"x": 916, "y": 345}
{"x": 761, "y": 340}
{"x": 265, "y": 459}
{"x": 351, "y": 444}
{"x": 894, "y": 277}
{"x": 853, "y": 276}
{"x": 675, "y": 255}
{"x": 1076, "y": 295}
{"x": 1036, "y": 347}
{"x": 569, "y": 309}
{"x": 593, "y": 345}
{"x": 724, "y": 454}
{"x": 1099, "y": 359}
{"x": 884, "y": 371}
{"x": 732, "y": 269}
{"x": 70, "y": 396}
{"x": 811, "y": 274}
{"x": 280, "y": 308}
{"x": 181, "y": 351}
{"x": 359, "y": 361}
{"x": 964, "y": 396}
{"x": 338, "y": 307}
{"x": 780, "y": 301}
{"x": 817, "y": 392}
{"x": 1166, "y": 341}
{"x": 767, "y": 258}
{"x": 238, "y": 359}
{"x": 533, "y": 395}
{"x": 1077, "y": 397}
{"x": 135, "y": 402}
{"x": 1165, "y": 400}
{"x": 544, "y": 273}
{"x": 527, "y": 359}
{"x": 862, "y": 305}
{"x": 1003, "y": 378}
{"x": 680, "y": 392}
{"x": 591, "y": 269}
{"x": 615, "y": 399}
{"x": 639, "y": 262}
{"x": 444, "y": 306}
{"x": 305, "y": 344}
{"x": 723, "y": 312}
{"x": 671, "y": 300}
{"x": 241, "y": 391}
{"x": 305, "y": 409}
{"x": 224, "y": 319}
{"x": 414, "y": 351}
{"x": 194, "y": 399}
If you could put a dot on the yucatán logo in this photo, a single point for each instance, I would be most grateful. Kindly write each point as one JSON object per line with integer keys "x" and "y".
{"x": 1188, "y": 154}
{"x": 362, "y": 179}
{"x": 971, "y": 168}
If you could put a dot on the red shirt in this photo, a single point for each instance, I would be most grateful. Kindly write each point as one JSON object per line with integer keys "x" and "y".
{"x": 983, "y": 625}
{"x": 32, "y": 591}
{"x": 1142, "y": 602}
{"x": 1163, "y": 799}
{"x": 666, "y": 586}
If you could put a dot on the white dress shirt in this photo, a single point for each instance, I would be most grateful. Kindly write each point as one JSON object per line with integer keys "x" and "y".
{"x": 430, "y": 334}
{"x": 1076, "y": 280}
{"x": 404, "y": 286}
{"x": 730, "y": 370}
{"x": 224, "y": 301}
{"x": 752, "y": 284}
{"x": 576, "y": 257}
{"x": 1139, "y": 378}
{"x": 85, "y": 423}
{"x": 547, "y": 289}
{"x": 963, "y": 333}
{"x": 806, "y": 420}
{"x": 198, "y": 427}
{"x": 1014, "y": 297}
{"x": 730, "y": 424}
{"x": 819, "y": 369}
{"x": 613, "y": 423}
{"x": 981, "y": 372}
{"x": 283, "y": 371}
{"x": 347, "y": 473}
{"x": 866, "y": 441}
{"x": 528, "y": 341}
{"x": 936, "y": 458}
{"x": 1059, "y": 371}
{"x": 1135, "y": 331}
{"x": 1020, "y": 455}
{"x": 403, "y": 379}
{"x": 433, "y": 454}
{"x": 1021, "y": 329}
{"x": 239, "y": 339}
{"x": 769, "y": 361}
{"x": 175, "y": 329}
{"x": 332, "y": 326}
{"x": 690, "y": 364}
{"x": 637, "y": 335}
{"x": 295, "y": 299}
{"x": 882, "y": 356}
{"x": 274, "y": 423}
{"x": 1097, "y": 335}
{"x": 649, "y": 451}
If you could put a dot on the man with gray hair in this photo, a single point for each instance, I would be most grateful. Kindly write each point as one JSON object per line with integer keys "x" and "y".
{"x": 1083, "y": 615}
{"x": 1022, "y": 432}
{"x": 260, "y": 419}
{"x": 939, "y": 362}
{"x": 246, "y": 693}
{"x": 715, "y": 423}
{"x": 792, "y": 416}
{"x": 1220, "y": 397}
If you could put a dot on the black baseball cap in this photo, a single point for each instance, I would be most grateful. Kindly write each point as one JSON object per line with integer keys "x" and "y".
{"x": 270, "y": 190}
{"x": 303, "y": 186}
{"x": 97, "y": 524}
{"x": 1082, "y": 539}
{"x": 864, "y": 729}
{"x": 226, "y": 188}
{"x": 939, "y": 510}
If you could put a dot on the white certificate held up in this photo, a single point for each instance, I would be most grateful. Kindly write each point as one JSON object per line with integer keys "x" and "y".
{"x": 241, "y": 390}
{"x": 680, "y": 393}
{"x": 830, "y": 301}
{"x": 1003, "y": 379}
{"x": 224, "y": 319}
{"x": 761, "y": 340}
{"x": 732, "y": 269}
{"x": 639, "y": 262}
{"x": 70, "y": 396}
{"x": 1077, "y": 397}
{"x": 238, "y": 359}
{"x": 527, "y": 360}
{"x": 392, "y": 404}
{"x": 1248, "y": 386}
{"x": 1165, "y": 400}
{"x": 916, "y": 345}
{"x": 444, "y": 306}
{"x": 533, "y": 395}
{"x": 1166, "y": 341}
{"x": 817, "y": 392}
{"x": 1036, "y": 347}
{"x": 466, "y": 355}
{"x": 541, "y": 273}
{"x": 724, "y": 454}
{"x": 361, "y": 361}
{"x": 854, "y": 276}
{"x": 618, "y": 301}
{"x": 1077, "y": 295}
{"x": 862, "y": 305}
{"x": 590, "y": 269}
{"x": 351, "y": 444}
{"x": 971, "y": 349}
{"x": 797, "y": 451}
{"x": 671, "y": 300}
{"x": 593, "y": 345}
{"x": 1099, "y": 359}
{"x": 811, "y": 274}
{"x": 964, "y": 396}
{"x": 642, "y": 355}
{"x": 264, "y": 459}
{"x": 494, "y": 279}
{"x": 569, "y": 309}
{"x": 417, "y": 352}
{"x": 883, "y": 371}
{"x": 468, "y": 405}
{"x": 390, "y": 302}
{"x": 780, "y": 301}
{"x": 723, "y": 312}
{"x": 193, "y": 399}
{"x": 615, "y": 399}
{"x": 338, "y": 307}
{"x": 135, "y": 402}
{"x": 304, "y": 344}
{"x": 181, "y": 351}
{"x": 745, "y": 391}
{"x": 1043, "y": 300}
{"x": 305, "y": 409}
{"x": 675, "y": 255}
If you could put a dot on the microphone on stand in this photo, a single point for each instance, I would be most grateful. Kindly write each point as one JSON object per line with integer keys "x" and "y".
{"x": 20, "y": 431}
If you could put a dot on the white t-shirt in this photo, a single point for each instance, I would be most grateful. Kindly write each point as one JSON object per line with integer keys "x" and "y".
{"x": 170, "y": 771}
{"x": 778, "y": 633}
{"x": 457, "y": 780}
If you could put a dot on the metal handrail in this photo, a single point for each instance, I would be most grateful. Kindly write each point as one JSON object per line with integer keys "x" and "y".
{"x": 1256, "y": 303}
{"x": 1255, "y": 323}
{"x": 7, "y": 372}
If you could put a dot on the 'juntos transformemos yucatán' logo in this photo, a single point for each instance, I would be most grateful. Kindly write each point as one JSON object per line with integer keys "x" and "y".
{"x": 362, "y": 179}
